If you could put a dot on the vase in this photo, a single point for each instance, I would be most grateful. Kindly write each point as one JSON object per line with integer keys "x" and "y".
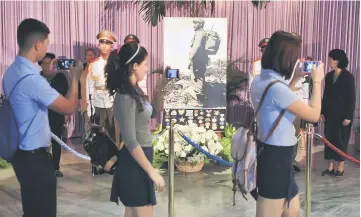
{"x": 188, "y": 167}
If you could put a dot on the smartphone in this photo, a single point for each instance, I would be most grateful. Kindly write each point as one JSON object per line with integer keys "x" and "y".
{"x": 307, "y": 66}
{"x": 65, "y": 64}
{"x": 172, "y": 73}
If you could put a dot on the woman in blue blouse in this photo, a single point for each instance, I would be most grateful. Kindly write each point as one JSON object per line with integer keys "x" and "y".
{"x": 277, "y": 189}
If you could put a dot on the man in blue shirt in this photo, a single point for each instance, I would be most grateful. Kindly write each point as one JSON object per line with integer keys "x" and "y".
{"x": 30, "y": 101}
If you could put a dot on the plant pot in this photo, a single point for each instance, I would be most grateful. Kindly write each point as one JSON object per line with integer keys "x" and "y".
{"x": 187, "y": 167}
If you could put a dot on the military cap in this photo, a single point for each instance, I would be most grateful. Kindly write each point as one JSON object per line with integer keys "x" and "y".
{"x": 106, "y": 35}
{"x": 131, "y": 38}
{"x": 263, "y": 42}
{"x": 201, "y": 21}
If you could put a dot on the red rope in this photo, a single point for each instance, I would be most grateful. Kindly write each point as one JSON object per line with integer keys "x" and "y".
{"x": 338, "y": 151}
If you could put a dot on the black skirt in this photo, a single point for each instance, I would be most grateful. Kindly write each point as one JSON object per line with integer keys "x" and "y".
{"x": 339, "y": 136}
{"x": 131, "y": 184}
{"x": 275, "y": 177}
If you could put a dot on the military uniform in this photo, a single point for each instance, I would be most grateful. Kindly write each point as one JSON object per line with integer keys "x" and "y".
{"x": 101, "y": 105}
{"x": 256, "y": 65}
{"x": 199, "y": 58}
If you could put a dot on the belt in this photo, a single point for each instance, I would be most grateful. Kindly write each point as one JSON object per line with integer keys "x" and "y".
{"x": 100, "y": 87}
{"x": 38, "y": 150}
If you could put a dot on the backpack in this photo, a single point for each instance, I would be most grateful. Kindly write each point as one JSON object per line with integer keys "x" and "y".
{"x": 212, "y": 42}
{"x": 244, "y": 153}
{"x": 9, "y": 130}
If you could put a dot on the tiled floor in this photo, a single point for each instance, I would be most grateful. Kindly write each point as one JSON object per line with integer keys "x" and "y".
{"x": 204, "y": 194}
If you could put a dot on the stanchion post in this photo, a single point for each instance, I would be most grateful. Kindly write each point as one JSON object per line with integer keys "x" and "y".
{"x": 309, "y": 139}
{"x": 171, "y": 172}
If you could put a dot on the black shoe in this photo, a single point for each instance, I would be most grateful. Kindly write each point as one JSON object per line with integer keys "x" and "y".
{"x": 58, "y": 174}
{"x": 296, "y": 168}
{"x": 339, "y": 173}
{"x": 328, "y": 172}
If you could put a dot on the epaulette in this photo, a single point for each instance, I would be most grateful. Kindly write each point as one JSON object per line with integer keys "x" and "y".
{"x": 90, "y": 70}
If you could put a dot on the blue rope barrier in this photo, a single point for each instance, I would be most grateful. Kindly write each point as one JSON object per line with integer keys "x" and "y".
{"x": 198, "y": 148}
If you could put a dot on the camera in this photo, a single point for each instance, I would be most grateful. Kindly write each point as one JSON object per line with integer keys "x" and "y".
{"x": 307, "y": 66}
{"x": 65, "y": 64}
{"x": 172, "y": 73}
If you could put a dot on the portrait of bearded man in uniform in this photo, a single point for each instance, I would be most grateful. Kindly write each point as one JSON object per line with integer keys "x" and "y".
{"x": 197, "y": 48}
{"x": 198, "y": 58}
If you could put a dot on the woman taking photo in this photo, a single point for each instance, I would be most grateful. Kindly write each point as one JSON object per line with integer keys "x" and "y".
{"x": 277, "y": 189}
{"x": 338, "y": 105}
{"x": 135, "y": 177}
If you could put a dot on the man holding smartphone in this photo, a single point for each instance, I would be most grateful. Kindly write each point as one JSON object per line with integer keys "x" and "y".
{"x": 30, "y": 101}
{"x": 59, "y": 82}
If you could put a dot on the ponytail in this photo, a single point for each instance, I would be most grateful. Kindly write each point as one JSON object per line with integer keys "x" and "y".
{"x": 118, "y": 71}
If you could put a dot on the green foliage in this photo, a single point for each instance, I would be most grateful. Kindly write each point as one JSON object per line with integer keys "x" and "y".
{"x": 229, "y": 131}
{"x": 154, "y": 11}
{"x": 260, "y": 3}
{"x": 226, "y": 142}
{"x": 4, "y": 164}
{"x": 159, "y": 159}
{"x": 226, "y": 152}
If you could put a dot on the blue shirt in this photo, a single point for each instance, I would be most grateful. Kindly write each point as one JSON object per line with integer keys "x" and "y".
{"x": 31, "y": 97}
{"x": 279, "y": 97}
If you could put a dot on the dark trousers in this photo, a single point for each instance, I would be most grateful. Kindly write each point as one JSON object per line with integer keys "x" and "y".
{"x": 57, "y": 129}
{"x": 339, "y": 136}
{"x": 36, "y": 175}
{"x": 199, "y": 70}
{"x": 104, "y": 117}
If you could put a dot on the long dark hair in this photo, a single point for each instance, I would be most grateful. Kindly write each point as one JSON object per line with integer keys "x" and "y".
{"x": 281, "y": 54}
{"x": 118, "y": 72}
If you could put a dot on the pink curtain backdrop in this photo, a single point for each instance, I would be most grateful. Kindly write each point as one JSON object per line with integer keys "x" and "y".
{"x": 323, "y": 25}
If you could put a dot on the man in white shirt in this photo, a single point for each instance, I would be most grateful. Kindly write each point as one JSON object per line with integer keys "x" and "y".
{"x": 100, "y": 106}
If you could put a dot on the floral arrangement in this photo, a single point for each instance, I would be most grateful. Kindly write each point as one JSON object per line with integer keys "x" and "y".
{"x": 206, "y": 139}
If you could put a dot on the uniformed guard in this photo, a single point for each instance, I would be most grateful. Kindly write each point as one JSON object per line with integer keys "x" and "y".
{"x": 257, "y": 66}
{"x": 131, "y": 38}
{"x": 99, "y": 102}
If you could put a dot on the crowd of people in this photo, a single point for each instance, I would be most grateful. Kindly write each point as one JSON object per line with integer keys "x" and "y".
{"x": 105, "y": 89}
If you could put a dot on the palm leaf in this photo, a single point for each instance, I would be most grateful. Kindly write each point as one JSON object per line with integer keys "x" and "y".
{"x": 155, "y": 11}
{"x": 260, "y": 3}
{"x": 212, "y": 4}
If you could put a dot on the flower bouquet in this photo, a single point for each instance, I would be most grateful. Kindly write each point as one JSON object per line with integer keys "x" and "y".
{"x": 187, "y": 158}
